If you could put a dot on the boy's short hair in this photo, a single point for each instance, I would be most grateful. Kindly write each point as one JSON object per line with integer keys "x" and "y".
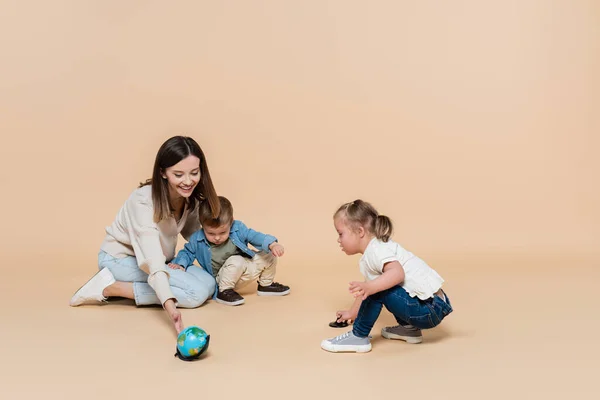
{"x": 225, "y": 216}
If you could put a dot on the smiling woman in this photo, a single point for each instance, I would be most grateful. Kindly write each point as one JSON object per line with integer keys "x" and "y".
{"x": 143, "y": 238}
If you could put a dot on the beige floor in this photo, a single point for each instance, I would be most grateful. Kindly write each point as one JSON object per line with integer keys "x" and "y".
{"x": 523, "y": 327}
{"x": 472, "y": 124}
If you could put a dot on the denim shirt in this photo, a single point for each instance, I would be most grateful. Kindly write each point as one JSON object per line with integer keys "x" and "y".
{"x": 198, "y": 247}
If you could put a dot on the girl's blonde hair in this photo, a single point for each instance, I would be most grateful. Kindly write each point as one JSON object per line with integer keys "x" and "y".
{"x": 360, "y": 213}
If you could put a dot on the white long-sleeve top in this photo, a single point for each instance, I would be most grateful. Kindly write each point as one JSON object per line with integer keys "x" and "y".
{"x": 134, "y": 233}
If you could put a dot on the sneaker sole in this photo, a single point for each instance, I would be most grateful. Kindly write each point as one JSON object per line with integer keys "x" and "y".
{"x": 259, "y": 293}
{"x": 407, "y": 339}
{"x": 89, "y": 301}
{"x": 334, "y": 348}
{"x": 230, "y": 303}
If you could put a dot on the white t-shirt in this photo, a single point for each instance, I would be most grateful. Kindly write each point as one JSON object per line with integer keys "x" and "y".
{"x": 420, "y": 279}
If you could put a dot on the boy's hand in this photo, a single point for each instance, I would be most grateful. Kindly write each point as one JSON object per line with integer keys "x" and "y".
{"x": 276, "y": 249}
{"x": 360, "y": 289}
{"x": 175, "y": 266}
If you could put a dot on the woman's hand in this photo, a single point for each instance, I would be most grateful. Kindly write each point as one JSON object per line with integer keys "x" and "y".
{"x": 174, "y": 314}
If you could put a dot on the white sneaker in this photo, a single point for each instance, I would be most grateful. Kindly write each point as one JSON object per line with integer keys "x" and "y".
{"x": 347, "y": 342}
{"x": 91, "y": 292}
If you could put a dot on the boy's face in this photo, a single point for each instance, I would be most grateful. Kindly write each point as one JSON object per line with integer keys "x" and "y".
{"x": 217, "y": 235}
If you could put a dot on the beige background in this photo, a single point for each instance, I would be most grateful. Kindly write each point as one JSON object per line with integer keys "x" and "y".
{"x": 472, "y": 124}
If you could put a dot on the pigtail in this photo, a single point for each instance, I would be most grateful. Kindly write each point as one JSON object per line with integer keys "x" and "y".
{"x": 383, "y": 228}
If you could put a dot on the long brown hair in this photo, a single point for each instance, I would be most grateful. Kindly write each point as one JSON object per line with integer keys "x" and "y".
{"x": 170, "y": 153}
{"x": 360, "y": 213}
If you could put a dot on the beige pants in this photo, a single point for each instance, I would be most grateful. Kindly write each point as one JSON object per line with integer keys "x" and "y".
{"x": 238, "y": 271}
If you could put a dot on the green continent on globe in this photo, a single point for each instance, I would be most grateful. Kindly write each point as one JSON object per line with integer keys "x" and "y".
{"x": 196, "y": 332}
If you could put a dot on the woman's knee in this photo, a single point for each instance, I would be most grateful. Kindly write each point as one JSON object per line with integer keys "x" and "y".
{"x": 209, "y": 286}
{"x": 203, "y": 277}
{"x": 197, "y": 294}
{"x": 191, "y": 301}
{"x": 195, "y": 300}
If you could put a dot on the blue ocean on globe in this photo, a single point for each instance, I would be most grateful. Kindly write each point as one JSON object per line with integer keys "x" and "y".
{"x": 191, "y": 341}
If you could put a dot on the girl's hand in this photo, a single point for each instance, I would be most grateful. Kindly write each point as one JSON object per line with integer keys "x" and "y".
{"x": 174, "y": 314}
{"x": 276, "y": 249}
{"x": 345, "y": 316}
{"x": 360, "y": 289}
{"x": 175, "y": 266}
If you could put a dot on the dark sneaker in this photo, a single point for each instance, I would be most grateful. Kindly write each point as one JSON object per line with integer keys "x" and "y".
{"x": 399, "y": 332}
{"x": 230, "y": 297}
{"x": 274, "y": 289}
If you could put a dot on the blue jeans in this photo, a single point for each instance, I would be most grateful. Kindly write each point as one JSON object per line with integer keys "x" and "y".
{"x": 191, "y": 288}
{"x": 423, "y": 314}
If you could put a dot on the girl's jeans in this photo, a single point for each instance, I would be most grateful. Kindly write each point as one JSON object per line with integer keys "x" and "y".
{"x": 423, "y": 314}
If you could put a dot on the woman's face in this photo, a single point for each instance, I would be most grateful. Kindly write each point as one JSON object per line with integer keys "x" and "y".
{"x": 183, "y": 177}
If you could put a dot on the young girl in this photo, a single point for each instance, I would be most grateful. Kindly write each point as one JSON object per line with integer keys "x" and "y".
{"x": 143, "y": 237}
{"x": 394, "y": 278}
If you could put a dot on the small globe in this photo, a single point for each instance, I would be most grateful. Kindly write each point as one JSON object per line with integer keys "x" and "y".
{"x": 192, "y": 341}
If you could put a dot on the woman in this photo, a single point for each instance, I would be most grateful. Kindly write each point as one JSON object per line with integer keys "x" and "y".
{"x": 143, "y": 237}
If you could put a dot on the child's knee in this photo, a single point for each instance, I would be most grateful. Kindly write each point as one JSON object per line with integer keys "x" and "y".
{"x": 265, "y": 260}
{"x": 234, "y": 262}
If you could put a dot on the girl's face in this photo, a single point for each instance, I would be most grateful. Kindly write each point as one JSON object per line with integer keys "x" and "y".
{"x": 348, "y": 238}
{"x": 183, "y": 177}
